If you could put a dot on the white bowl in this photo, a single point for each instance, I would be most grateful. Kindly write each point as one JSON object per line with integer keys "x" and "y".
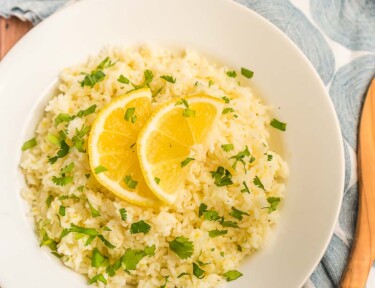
{"x": 218, "y": 28}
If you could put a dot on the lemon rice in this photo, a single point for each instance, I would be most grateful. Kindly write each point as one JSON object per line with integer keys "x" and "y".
{"x": 226, "y": 200}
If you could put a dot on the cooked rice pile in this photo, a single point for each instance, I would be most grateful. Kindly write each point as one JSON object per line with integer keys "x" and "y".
{"x": 83, "y": 197}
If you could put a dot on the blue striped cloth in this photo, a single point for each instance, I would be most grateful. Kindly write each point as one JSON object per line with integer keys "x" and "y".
{"x": 338, "y": 37}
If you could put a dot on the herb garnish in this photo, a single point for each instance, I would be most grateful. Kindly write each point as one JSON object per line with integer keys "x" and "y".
{"x": 237, "y": 213}
{"x": 130, "y": 182}
{"x": 247, "y": 73}
{"x": 274, "y": 202}
{"x": 222, "y": 177}
{"x": 202, "y": 209}
{"x": 240, "y": 158}
{"x": 227, "y": 147}
{"x": 198, "y": 272}
{"x": 97, "y": 278}
{"x": 94, "y": 213}
{"x": 246, "y": 189}
{"x": 62, "y": 210}
{"x": 131, "y": 258}
{"x": 232, "y": 275}
{"x": 97, "y": 258}
{"x": 278, "y": 124}
{"x": 228, "y": 110}
{"x": 258, "y": 183}
{"x": 87, "y": 111}
{"x": 140, "y": 227}
{"x": 29, "y": 144}
{"x": 186, "y": 161}
{"x": 129, "y": 115}
{"x": 168, "y": 78}
{"x": 269, "y": 157}
{"x": 232, "y": 74}
{"x": 148, "y": 76}
{"x": 123, "y": 214}
{"x": 123, "y": 79}
{"x": 216, "y": 233}
{"x": 157, "y": 180}
{"x": 99, "y": 169}
{"x": 182, "y": 247}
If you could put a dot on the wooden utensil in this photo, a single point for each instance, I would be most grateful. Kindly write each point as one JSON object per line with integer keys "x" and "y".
{"x": 363, "y": 251}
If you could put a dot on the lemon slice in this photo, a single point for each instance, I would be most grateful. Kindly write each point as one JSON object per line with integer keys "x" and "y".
{"x": 166, "y": 142}
{"x": 112, "y": 147}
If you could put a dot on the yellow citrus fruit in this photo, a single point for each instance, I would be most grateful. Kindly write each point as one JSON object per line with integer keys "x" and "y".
{"x": 112, "y": 147}
{"x": 168, "y": 139}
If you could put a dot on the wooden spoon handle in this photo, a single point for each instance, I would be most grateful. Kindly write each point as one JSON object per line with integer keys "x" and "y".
{"x": 363, "y": 250}
{"x": 360, "y": 260}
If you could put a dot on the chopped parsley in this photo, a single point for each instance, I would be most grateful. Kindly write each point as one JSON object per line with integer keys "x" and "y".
{"x": 87, "y": 111}
{"x": 165, "y": 283}
{"x": 246, "y": 189}
{"x": 197, "y": 271}
{"x": 217, "y": 233}
{"x": 62, "y": 210}
{"x": 229, "y": 224}
{"x": 148, "y": 76}
{"x": 123, "y": 214}
{"x": 278, "y": 124}
{"x": 183, "y": 274}
{"x": 188, "y": 113}
{"x": 106, "y": 228}
{"x": 157, "y": 180}
{"x": 232, "y": 74}
{"x": 81, "y": 188}
{"x": 129, "y": 115}
{"x": 182, "y": 247}
{"x": 247, "y": 73}
{"x": 91, "y": 79}
{"x": 131, "y": 257}
{"x": 182, "y": 102}
{"x": 46, "y": 241}
{"x": 210, "y": 83}
{"x": 62, "y": 181}
{"x": 97, "y": 278}
{"x": 130, "y": 182}
{"x": 156, "y": 92}
{"x": 226, "y": 99}
{"x": 97, "y": 258}
{"x": 106, "y": 242}
{"x": 111, "y": 269}
{"x": 211, "y": 215}
{"x": 99, "y": 169}
{"x": 68, "y": 168}
{"x": 240, "y": 158}
{"x": 106, "y": 63}
{"x": 123, "y": 79}
{"x": 222, "y": 177}
{"x": 140, "y": 227}
{"x": 274, "y": 202}
{"x": 29, "y": 144}
{"x": 238, "y": 214}
{"x": 94, "y": 213}
{"x": 202, "y": 209}
{"x": 258, "y": 183}
{"x": 81, "y": 230}
{"x": 78, "y": 140}
{"x": 269, "y": 157}
{"x": 228, "y": 110}
{"x": 186, "y": 161}
{"x": 53, "y": 139}
{"x": 49, "y": 200}
{"x": 239, "y": 248}
{"x": 168, "y": 78}
{"x": 232, "y": 275}
{"x": 227, "y": 147}
{"x": 61, "y": 153}
{"x": 63, "y": 117}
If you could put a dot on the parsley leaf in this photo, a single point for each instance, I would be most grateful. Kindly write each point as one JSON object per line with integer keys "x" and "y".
{"x": 183, "y": 274}
{"x": 157, "y": 180}
{"x": 169, "y": 79}
{"x": 211, "y": 215}
{"x": 216, "y": 233}
{"x": 67, "y": 168}
{"x": 228, "y": 110}
{"x": 240, "y": 158}
{"x": 29, "y": 144}
{"x": 129, "y": 115}
{"x": 166, "y": 281}
{"x": 62, "y": 181}
{"x": 186, "y": 161}
{"x": 269, "y": 157}
{"x": 148, "y": 76}
{"x": 198, "y": 272}
{"x": 274, "y": 202}
{"x": 88, "y": 111}
{"x": 100, "y": 169}
{"x": 97, "y": 258}
{"x": 247, "y": 73}
{"x": 226, "y": 99}
{"x": 61, "y": 153}
{"x": 106, "y": 242}
{"x": 111, "y": 270}
{"x": 182, "y": 247}
{"x": 97, "y": 278}
{"x": 237, "y": 213}
{"x": 81, "y": 230}
{"x": 140, "y": 227}
{"x": 258, "y": 183}
{"x": 229, "y": 224}
{"x": 63, "y": 117}
{"x": 130, "y": 182}
{"x": 227, "y": 147}
{"x": 222, "y": 177}
{"x": 246, "y": 189}
{"x": 91, "y": 79}
{"x": 94, "y": 213}
{"x": 188, "y": 113}
{"x": 49, "y": 200}
{"x": 232, "y": 74}
{"x": 123, "y": 213}
{"x": 232, "y": 275}
{"x": 62, "y": 210}
{"x": 123, "y": 79}
{"x": 278, "y": 124}
{"x": 132, "y": 257}
{"x": 202, "y": 209}
{"x": 106, "y": 63}
{"x": 53, "y": 139}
